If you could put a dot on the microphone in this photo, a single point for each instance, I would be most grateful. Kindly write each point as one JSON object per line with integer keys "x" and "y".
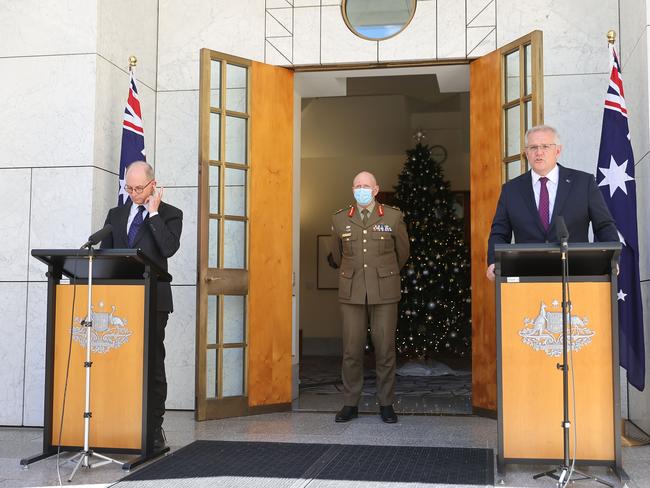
{"x": 562, "y": 232}
{"x": 98, "y": 236}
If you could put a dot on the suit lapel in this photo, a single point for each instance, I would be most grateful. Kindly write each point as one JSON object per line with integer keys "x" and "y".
{"x": 356, "y": 217}
{"x": 526, "y": 189}
{"x": 564, "y": 183}
{"x": 123, "y": 219}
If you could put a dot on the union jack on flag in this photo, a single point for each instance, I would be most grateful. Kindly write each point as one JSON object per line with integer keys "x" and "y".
{"x": 132, "y": 137}
{"x": 616, "y": 181}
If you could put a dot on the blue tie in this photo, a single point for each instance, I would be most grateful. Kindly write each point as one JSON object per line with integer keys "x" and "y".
{"x": 135, "y": 225}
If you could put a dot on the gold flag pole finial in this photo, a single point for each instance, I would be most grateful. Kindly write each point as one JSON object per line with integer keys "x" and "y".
{"x": 132, "y": 62}
{"x": 611, "y": 36}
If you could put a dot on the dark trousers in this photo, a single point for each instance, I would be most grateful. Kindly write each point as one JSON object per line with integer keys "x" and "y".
{"x": 158, "y": 387}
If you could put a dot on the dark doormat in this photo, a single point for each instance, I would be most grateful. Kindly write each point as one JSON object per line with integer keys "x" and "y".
{"x": 227, "y": 463}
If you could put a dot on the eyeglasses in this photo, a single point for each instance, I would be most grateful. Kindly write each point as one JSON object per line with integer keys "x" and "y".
{"x": 137, "y": 190}
{"x": 367, "y": 187}
{"x": 540, "y": 147}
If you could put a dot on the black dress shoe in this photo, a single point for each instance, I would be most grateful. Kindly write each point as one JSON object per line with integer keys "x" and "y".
{"x": 388, "y": 414}
{"x": 159, "y": 439}
{"x": 346, "y": 414}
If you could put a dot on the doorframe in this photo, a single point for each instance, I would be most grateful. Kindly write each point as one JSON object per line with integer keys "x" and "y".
{"x": 297, "y": 167}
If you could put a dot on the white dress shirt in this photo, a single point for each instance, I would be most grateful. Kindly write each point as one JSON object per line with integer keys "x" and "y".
{"x": 551, "y": 186}
{"x": 133, "y": 212}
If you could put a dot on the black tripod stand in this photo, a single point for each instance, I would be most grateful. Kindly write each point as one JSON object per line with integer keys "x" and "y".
{"x": 566, "y": 470}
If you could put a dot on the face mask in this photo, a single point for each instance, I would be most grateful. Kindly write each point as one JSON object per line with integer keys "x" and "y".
{"x": 363, "y": 196}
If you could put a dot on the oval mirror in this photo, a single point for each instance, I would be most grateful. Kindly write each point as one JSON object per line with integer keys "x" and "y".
{"x": 377, "y": 19}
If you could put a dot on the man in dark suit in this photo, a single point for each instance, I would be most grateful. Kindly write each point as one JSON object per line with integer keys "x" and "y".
{"x": 530, "y": 204}
{"x": 155, "y": 227}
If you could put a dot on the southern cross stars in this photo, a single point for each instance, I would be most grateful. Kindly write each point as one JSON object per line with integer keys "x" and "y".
{"x": 621, "y": 295}
{"x": 615, "y": 176}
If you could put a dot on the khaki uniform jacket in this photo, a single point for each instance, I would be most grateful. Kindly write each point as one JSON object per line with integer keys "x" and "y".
{"x": 369, "y": 257}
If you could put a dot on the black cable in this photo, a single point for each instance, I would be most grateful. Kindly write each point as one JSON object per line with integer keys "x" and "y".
{"x": 67, "y": 370}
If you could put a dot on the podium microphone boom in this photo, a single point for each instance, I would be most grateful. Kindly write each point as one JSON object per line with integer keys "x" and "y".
{"x": 98, "y": 236}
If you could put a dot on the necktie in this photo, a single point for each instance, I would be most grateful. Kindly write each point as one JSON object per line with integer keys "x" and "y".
{"x": 364, "y": 216}
{"x": 135, "y": 225}
{"x": 543, "y": 202}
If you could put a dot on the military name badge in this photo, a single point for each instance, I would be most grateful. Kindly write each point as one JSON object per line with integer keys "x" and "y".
{"x": 382, "y": 228}
{"x": 346, "y": 234}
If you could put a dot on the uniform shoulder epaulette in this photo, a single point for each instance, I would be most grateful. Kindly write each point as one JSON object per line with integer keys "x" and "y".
{"x": 393, "y": 207}
{"x": 341, "y": 210}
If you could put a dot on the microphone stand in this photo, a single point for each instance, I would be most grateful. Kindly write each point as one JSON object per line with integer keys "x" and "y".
{"x": 565, "y": 470}
{"x": 84, "y": 457}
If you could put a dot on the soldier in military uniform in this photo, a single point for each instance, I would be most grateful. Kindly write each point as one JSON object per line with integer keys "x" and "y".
{"x": 370, "y": 245}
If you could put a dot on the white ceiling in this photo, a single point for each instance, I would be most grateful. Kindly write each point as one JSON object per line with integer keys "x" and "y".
{"x": 451, "y": 78}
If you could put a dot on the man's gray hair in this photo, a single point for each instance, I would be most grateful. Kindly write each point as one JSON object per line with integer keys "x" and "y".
{"x": 544, "y": 128}
{"x": 148, "y": 169}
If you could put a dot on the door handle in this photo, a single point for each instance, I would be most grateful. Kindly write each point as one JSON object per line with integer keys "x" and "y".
{"x": 211, "y": 278}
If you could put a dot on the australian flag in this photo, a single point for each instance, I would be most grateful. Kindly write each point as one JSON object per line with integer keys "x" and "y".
{"x": 132, "y": 137}
{"x": 616, "y": 181}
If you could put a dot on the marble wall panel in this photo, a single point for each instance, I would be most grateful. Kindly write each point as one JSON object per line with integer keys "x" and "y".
{"x": 573, "y": 42}
{"x": 630, "y": 28}
{"x": 45, "y": 27}
{"x": 451, "y": 42}
{"x": 306, "y": 35}
{"x": 186, "y": 26}
{"x": 112, "y": 94}
{"x": 180, "y": 348}
{"x": 177, "y": 138}
{"x": 15, "y": 204}
{"x": 577, "y": 115}
{"x": 182, "y": 266}
{"x": 339, "y": 44}
{"x": 48, "y": 110}
{"x": 417, "y": 41}
{"x": 61, "y": 211}
{"x": 13, "y": 304}
{"x": 104, "y": 196}
{"x": 127, "y": 28}
{"x": 642, "y": 176}
{"x": 35, "y": 354}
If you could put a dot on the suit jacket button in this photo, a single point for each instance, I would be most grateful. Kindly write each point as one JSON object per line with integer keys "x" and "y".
{"x": 365, "y": 265}
{"x": 365, "y": 231}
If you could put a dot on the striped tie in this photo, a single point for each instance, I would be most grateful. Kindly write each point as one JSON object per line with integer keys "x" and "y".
{"x": 135, "y": 225}
{"x": 543, "y": 203}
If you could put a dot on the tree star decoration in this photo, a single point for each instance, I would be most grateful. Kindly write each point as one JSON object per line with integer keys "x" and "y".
{"x": 419, "y": 136}
{"x": 615, "y": 176}
{"x": 621, "y": 295}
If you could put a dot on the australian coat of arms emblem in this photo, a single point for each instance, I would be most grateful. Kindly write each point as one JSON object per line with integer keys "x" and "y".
{"x": 108, "y": 331}
{"x": 544, "y": 332}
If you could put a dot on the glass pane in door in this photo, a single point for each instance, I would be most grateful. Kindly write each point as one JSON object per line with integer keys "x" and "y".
{"x": 232, "y": 374}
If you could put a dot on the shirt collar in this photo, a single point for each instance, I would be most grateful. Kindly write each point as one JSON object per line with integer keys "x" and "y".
{"x": 553, "y": 176}
{"x": 369, "y": 208}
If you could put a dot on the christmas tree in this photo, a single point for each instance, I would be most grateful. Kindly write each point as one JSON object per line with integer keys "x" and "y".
{"x": 435, "y": 310}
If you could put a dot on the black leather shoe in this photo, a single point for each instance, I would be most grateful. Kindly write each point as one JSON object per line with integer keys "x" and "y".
{"x": 159, "y": 439}
{"x": 388, "y": 414}
{"x": 346, "y": 414}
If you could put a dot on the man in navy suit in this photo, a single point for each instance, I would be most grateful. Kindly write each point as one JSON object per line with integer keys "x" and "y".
{"x": 530, "y": 204}
{"x": 149, "y": 224}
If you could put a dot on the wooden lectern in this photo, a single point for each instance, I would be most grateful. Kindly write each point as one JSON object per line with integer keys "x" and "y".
{"x": 124, "y": 299}
{"x": 529, "y": 349}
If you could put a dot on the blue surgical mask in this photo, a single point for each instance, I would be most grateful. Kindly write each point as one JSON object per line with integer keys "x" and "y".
{"x": 363, "y": 196}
